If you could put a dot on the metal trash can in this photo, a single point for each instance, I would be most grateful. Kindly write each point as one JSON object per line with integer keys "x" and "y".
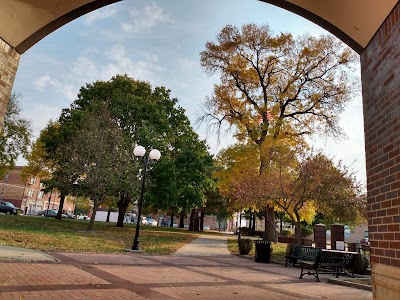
{"x": 263, "y": 251}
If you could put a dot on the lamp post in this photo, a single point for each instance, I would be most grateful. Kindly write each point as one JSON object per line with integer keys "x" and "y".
{"x": 240, "y": 225}
{"x": 140, "y": 151}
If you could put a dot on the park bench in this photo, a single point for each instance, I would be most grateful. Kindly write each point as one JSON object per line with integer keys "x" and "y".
{"x": 295, "y": 253}
{"x": 329, "y": 262}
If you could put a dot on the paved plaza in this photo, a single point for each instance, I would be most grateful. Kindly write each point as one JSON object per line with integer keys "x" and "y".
{"x": 206, "y": 273}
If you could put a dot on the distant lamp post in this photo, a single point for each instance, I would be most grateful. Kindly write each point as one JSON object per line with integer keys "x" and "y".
{"x": 154, "y": 155}
{"x": 240, "y": 225}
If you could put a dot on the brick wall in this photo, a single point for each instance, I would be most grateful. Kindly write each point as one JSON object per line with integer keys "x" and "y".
{"x": 380, "y": 68}
{"x": 381, "y": 96}
{"x": 9, "y": 59}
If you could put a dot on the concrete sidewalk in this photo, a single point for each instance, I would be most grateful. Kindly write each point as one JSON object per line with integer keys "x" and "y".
{"x": 204, "y": 274}
{"x": 207, "y": 245}
{"x": 23, "y": 254}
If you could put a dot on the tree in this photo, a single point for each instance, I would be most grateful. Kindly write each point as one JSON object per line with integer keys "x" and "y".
{"x": 97, "y": 158}
{"x": 303, "y": 184}
{"x": 14, "y": 135}
{"x": 182, "y": 179}
{"x": 217, "y": 205}
{"x": 277, "y": 87}
{"x": 239, "y": 181}
{"x": 144, "y": 115}
{"x": 38, "y": 163}
{"x": 298, "y": 183}
{"x": 149, "y": 117}
{"x": 44, "y": 161}
{"x": 236, "y": 165}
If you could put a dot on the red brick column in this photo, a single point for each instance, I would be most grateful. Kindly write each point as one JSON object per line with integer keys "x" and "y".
{"x": 337, "y": 234}
{"x": 380, "y": 68}
{"x": 9, "y": 59}
{"x": 320, "y": 236}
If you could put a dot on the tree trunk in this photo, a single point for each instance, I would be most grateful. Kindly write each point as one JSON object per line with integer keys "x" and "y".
{"x": 192, "y": 220}
{"x": 122, "y": 207}
{"x": 91, "y": 223}
{"x": 60, "y": 208}
{"x": 202, "y": 221}
{"x": 299, "y": 238}
{"x": 108, "y": 215}
{"x": 270, "y": 232}
{"x": 182, "y": 220}
{"x": 172, "y": 220}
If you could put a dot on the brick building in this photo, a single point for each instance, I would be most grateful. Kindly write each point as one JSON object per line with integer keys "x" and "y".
{"x": 29, "y": 194}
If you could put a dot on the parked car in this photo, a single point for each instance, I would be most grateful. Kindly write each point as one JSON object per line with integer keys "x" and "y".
{"x": 51, "y": 213}
{"x": 152, "y": 222}
{"x": 364, "y": 241}
{"x": 9, "y": 208}
{"x": 83, "y": 218}
{"x": 70, "y": 216}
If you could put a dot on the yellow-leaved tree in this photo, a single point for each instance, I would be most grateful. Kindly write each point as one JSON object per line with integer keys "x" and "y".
{"x": 276, "y": 88}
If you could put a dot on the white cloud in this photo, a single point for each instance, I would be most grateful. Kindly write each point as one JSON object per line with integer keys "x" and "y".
{"x": 149, "y": 17}
{"x": 89, "y": 69}
{"x": 44, "y": 81}
{"x": 99, "y": 15}
{"x": 120, "y": 63}
{"x": 84, "y": 68}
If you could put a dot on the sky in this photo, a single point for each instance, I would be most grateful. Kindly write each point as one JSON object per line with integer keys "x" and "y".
{"x": 160, "y": 42}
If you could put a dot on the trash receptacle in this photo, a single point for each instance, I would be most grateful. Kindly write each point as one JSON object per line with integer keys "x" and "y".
{"x": 263, "y": 251}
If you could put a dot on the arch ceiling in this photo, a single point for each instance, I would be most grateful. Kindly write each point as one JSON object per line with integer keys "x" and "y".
{"x": 24, "y": 22}
{"x": 353, "y": 21}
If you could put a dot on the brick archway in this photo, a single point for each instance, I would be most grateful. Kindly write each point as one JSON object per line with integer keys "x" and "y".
{"x": 379, "y": 49}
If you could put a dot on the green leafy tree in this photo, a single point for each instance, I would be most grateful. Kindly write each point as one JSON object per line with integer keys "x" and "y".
{"x": 43, "y": 161}
{"x": 182, "y": 179}
{"x": 217, "y": 205}
{"x": 97, "y": 158}
{"x": 147, "y": 116}
{"x": 14, "y": 135}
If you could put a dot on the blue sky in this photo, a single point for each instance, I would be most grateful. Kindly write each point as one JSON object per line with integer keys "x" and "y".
{"x": 157, "y": 41}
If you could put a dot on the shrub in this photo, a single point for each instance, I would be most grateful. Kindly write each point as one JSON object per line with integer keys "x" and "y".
{"x": 245, "y": 246}
{"x": 306, "y": 231}
{"x": 286, "y": 232}
{"x": 361, "y": 265}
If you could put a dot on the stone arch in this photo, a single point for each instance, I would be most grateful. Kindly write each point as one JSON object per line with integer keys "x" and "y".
{"x": 313, "y": 17}
{"x": 378, "y": 45}
{"x": 69, "y": 16}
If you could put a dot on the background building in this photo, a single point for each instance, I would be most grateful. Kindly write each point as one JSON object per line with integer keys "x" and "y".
{"x": 29, "y": 195}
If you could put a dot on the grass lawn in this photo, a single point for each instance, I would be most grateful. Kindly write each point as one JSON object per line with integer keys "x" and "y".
{"x": 278, "y": 249}
{"x": 49, "y": 234}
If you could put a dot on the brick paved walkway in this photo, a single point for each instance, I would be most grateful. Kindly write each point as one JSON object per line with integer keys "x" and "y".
{"x": 138, "y": 276}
